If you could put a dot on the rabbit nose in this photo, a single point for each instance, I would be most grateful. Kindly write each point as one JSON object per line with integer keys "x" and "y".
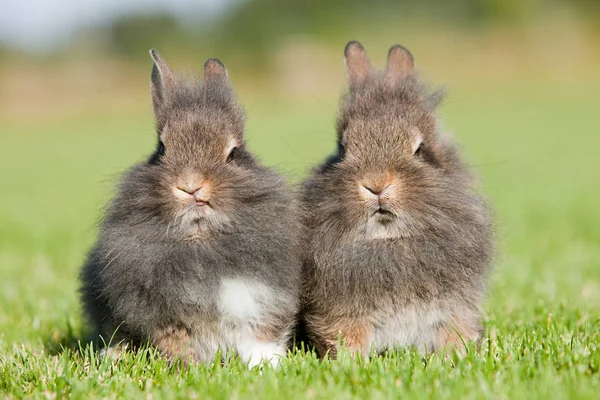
{"x": 200, "y": 191}
{"x": 190, "y": 189}
{"x": 202, "y": 194}
{"x": 377, "y": 190}
{"x": 374, "y": 190}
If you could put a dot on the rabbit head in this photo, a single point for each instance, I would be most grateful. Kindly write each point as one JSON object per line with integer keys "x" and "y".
{"x": 392, "y": 176}
{"x": 200, "y": 178}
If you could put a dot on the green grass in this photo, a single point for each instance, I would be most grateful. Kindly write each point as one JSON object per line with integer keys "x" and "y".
{"x": 535, "y": 148}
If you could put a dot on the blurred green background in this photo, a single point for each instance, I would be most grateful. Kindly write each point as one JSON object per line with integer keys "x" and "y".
{"x": 523, "y": 79}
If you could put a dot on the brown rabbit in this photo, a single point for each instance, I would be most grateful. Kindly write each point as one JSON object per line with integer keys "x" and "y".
{"x": 199, "y": 251}
{"x": 400, "y": 243}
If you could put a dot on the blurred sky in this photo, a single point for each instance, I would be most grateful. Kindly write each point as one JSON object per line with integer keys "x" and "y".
{"x": 36, "y": 24}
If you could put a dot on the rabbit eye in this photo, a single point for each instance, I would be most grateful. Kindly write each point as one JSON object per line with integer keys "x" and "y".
{"x": 158, "y": 153}
{"x": 419, "y": 150}
{"x": 426, "y": 155}
{"x": 341, "y": 151}
{"x": 232, "y": 154}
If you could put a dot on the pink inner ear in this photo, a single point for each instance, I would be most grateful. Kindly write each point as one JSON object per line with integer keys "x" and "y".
{"x": 214, "y": 69}
{"x": 400, "y": 63}
{"x": 358, "y": 65}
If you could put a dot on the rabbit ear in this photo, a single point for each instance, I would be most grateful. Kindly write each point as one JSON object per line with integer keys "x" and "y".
{"x": 214, "y": 70}
{"x": 400, "y": 63}
{"x": 161, "y": 81}
{"x": 358, "y": 65}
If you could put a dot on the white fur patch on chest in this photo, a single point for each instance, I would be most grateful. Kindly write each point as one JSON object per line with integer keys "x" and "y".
{"x": 244, "y": 300}
{"x": 406, "y": 327}
{"x": 386, "y": 226}
{"x": 246, "y": 307}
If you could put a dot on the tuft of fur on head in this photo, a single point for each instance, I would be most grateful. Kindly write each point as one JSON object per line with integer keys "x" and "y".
{"x": 175, "y": 98}
{"x": 199, "y": 209}
{"x": 393, "y": 217}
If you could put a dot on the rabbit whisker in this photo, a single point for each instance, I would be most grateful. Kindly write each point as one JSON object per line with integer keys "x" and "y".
{"x": 113, "y": 259}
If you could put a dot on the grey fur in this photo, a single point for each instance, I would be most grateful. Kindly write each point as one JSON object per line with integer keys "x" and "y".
{"x": 147, "y": 275}
{"x": 440, "y": 249}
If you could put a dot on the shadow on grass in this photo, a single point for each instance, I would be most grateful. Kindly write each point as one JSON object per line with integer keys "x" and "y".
{"x": 74, "y": 339}
{"x": 77, "y": 339}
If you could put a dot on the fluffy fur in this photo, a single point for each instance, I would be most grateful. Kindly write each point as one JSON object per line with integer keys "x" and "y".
{"x": 200, "y": 217}
{"x": 400, "y": 243}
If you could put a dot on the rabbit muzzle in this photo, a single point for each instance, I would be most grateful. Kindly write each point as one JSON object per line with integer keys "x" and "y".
{"x": 378, "y": 196}
{"x": 193, "y": 189}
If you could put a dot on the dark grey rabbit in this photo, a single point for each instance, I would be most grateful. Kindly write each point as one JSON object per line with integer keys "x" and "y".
{"x": 400, "y": 243}
{"x": 199, "y": 250}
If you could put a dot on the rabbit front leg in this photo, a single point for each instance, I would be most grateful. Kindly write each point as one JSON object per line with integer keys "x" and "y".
{"x": 327, "y": 331}
{"x": 457, "y": 332}
{"x": 174, "y": 341}
{"x": 264, "y": 344}
{"x": 254, "y": 352}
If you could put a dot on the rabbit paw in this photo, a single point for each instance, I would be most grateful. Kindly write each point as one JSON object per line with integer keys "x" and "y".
{"x": 254, "y": 353}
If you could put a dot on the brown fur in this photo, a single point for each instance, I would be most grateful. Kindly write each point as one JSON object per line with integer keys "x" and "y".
{"x": 200, "y": 211}
{"x": 174, "y": 341}
{"x": 457, "y": 332}
{"x": 327, "y": 333}
{"x": 424, "y": 244}
{"x": 273, "y": 331}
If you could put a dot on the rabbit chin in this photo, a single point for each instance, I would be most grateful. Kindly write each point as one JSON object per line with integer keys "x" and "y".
{"x": 196, "y": 223}
{"x": 385, "y": 226}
